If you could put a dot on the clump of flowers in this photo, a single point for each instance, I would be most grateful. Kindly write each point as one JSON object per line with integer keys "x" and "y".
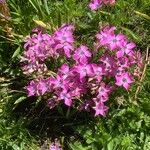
{"x": 85, "y": 79}
{"x": 41, "y": 46}
{"x": 96, "y": 4}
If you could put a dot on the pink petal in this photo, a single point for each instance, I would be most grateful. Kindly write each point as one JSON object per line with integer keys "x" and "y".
{"x": 126, "y": 86}
{"x": 68, "y": 102}
{"x": 118, "y": 80}
{"x": 120, "y": 54}
{"x": 131, "y": 45}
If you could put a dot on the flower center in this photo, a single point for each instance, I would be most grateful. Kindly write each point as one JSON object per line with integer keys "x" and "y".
{"x": 124, "y": 80}
{"x": 64, "y": 95}
{"x": 114, "y": 40}
{"x": 82, "y": 53}
{"x": 64, "y": 38}
{"x": 84, "y": 70}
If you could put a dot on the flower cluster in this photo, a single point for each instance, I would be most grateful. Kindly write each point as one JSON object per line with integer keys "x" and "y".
{"x": 41, "y": 46}
{"x": 96, "y": 4}
{"x": 121, "y": 56}
{"x": 84, "y": 82}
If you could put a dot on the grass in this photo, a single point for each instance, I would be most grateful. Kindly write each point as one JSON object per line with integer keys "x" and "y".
{"x": 25, "y": 124}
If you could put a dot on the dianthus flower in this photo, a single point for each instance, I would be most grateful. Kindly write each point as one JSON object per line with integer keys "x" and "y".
{"x": 42, "y": 87}
{"x": 82, "y": 55}
{"x": 98, "y": 71}
{"x": 125, "y": 49}
{"x": 96, "y": 4}
{"x": 104, "y": 35}
{"x": 124, "y": 80}
{"x": 83, "y": 70}
{"x": 100, "y": 109}
{"x": 103, "y": 92}
{"x": 32, "y": 88}
{"x": 64, "y": 40}
{"x": 66, "y": 96}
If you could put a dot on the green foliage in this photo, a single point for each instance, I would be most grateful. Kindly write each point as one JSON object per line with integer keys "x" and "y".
{"x": 13, "y": 132}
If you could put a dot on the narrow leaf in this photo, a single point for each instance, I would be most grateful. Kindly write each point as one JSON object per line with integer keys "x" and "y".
{"x": 46, "y": 7}
{"x": 131, "y": 33}
{"x": 33, "y": 5}
{"x": 17, "y": 52}
{"x": 142, "y": 15}
{"x": 20, "y": 100}
{"x": 40, "y": 23}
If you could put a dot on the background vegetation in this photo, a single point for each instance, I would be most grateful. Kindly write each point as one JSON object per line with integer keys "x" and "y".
{"x": 27, "y": 124}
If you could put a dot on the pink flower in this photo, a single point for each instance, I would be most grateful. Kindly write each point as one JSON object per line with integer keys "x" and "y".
{"x": 100, "y": 109}
{"x": 65, "y": 48}
{"x": 109, "y": 63}
{"x": 107, "y": 60}
{"x": 82, "y": 55}
{"x": 115, "y": 41}
{"x": 95, "y": 4}
{"x": 126, "y": 48}
{"x": 42, "y": 87}
{"x": 67, "y": 97}
{"x": 109, "y": 39}
{"x": 31, "y": 88}
{"x": 123, "y": 63}
{"x": 64, "y": 71}
{"x": 58, "y": 82}
{"x": 118, "y": 71}
{"x": 124, "y": 80}
{"x": 38, "y": 47}
{"x": 83, "y": 70}
{"x": 103, "y": 36}
{"x": 103, "y": 92}
{"x": 98, "y": 71}
{"x": 64, "y": 40}
{"x": 63, "y": 36}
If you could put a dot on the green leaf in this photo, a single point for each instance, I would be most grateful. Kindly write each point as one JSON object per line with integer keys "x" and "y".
{"x": 131, "y": 33}
{"x": 39, "y": 99}
{"x": 20, "y": 100}
{"x": 33, "y": 5}
{"x": 110, "y": 145}
{"x": 77, "y": 146}
{"x": 145, "y": 16}
{"x": 46, "y": 7}
{"x": 40, "y": 23}
{"x": 15, "y": 147}
{"x": 17, "y": 52}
